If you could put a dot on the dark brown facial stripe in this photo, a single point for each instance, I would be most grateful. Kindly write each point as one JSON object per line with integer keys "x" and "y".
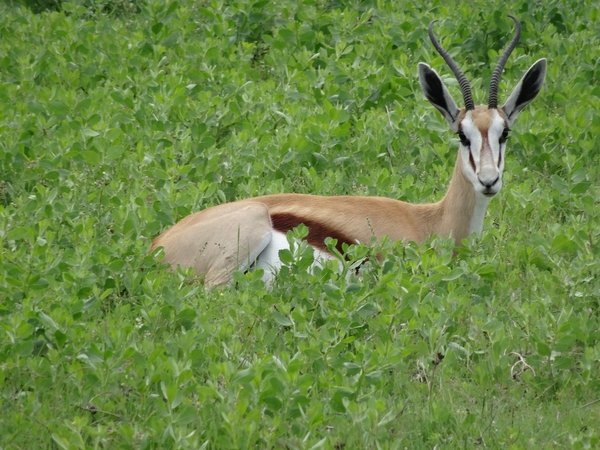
{"x": 472, "y": 161}
{"x": 317, "y": 231}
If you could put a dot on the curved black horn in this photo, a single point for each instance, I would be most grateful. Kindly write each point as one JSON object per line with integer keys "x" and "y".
{"x": 465, "y": 87}
{"x": 495, "y": 81}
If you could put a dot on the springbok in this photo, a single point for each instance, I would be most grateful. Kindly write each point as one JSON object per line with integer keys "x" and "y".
{"x": 249, "y": 233}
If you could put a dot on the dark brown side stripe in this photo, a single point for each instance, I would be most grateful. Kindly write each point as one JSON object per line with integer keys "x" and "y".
{"x": 317, "y": 232}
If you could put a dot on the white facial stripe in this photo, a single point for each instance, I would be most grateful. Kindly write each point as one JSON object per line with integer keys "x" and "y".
{"x": 473, "y": 134}
{"x": 494, "y": 133}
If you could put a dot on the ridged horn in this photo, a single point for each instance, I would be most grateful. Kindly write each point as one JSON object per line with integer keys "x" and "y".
{"x": 495, "y": 81}
{"x": 465, "y": 87}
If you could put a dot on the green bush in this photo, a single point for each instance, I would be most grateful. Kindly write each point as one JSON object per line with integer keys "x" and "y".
{"x": 116, "y": 125}
{"x": 94, "y": 7}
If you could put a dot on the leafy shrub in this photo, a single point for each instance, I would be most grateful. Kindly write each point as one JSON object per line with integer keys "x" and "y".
{"x": 115, "y": 125}
{"x": 112, "y": 7}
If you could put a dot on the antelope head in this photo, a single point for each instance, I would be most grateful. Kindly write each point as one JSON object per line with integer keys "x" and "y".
{"x": 482, "y": 130}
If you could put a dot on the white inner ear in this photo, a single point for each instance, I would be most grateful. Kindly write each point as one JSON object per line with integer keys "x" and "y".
{"x": 532, "y": 83}
{"x": 436, "y": 92}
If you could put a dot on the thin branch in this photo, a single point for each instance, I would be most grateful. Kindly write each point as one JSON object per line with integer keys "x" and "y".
{"x": 593, "y": 402}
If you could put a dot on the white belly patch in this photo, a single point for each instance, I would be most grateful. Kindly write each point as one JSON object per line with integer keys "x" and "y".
{"x": 269, "y": 260}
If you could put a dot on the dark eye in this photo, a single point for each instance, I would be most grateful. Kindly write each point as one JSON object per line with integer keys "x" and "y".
{"x": 463, "y": 139}
{"x": 504, "y": 136}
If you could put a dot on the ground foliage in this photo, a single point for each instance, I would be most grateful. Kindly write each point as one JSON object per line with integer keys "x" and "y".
{"x": 116, "y": 123}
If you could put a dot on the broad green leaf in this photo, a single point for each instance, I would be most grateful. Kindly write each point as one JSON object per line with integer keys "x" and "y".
{"x": 89, "y": 132}
{"x": 48, "y": 322}
{"x": 19, "y": 233}
{"x": 559, "y": 184}
{"x": 243, "y": 376}
{"x": 486, "y": 269}
{"x": 185, "y": 415}
{"x": 563, "y": 363}
{"x": 454, "y": 274}
{"x": 543, "y": 349}
{"x": 564, "y": 343}
{"x": 281, "y": 319}
{"x": 36, "y": 108}
{"x": 563, "y": 243}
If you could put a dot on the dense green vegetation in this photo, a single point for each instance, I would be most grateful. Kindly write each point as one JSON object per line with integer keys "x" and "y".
{"x": 116, "y": 122}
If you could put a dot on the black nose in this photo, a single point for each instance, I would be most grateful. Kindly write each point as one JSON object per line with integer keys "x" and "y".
{"x": 487, "y": 183}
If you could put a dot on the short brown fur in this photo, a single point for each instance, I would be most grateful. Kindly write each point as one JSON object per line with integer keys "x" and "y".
{"x": 218, "y": 240}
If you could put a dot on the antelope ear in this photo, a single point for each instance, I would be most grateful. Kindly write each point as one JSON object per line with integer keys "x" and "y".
{"x": 528, "y": 88}
{"x": 434, "y": 89}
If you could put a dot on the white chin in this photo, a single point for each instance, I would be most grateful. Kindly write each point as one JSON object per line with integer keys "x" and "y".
{"x": 485, "y": 193}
